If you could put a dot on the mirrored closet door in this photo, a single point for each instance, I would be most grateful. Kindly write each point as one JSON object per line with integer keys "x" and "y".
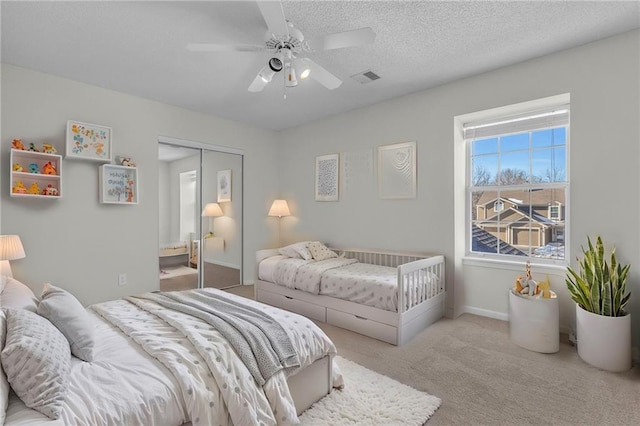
{"x": 200, "y": 215}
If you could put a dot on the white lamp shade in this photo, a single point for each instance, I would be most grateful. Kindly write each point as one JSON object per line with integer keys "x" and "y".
{"x": 279, "y": 208}
{"x": 212, "y": 210}
{"x": 11, "y": 247}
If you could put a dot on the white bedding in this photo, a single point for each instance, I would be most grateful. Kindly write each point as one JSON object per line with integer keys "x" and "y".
{"x": 160, "y": 376}
{"x": 122, "y": 386}
{"x": 347, "y": 279}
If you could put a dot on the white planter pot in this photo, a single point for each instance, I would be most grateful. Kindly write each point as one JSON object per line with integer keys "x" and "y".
{"x": 604, "y": 342}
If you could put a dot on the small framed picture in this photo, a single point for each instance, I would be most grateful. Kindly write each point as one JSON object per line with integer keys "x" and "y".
{"x": 327, "y": 177}
{"x": 224, "y": 186}
{"x": 87, "y": 141}
{"x": 118, "y": 184}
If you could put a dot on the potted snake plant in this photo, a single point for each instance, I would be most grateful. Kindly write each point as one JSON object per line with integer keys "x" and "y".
{"x": 603, "y": 326}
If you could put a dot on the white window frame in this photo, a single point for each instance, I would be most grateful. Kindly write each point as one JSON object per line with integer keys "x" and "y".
{"x": 506, "y": 115}
{"x": 498, "y": 206}
{"x": 558, "y": 216}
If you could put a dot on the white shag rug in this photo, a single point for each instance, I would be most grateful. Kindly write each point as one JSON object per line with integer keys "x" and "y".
{"x": 369, "y": 398}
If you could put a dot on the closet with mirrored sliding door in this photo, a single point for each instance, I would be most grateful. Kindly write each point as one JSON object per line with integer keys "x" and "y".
{"x": 200, "y": 215}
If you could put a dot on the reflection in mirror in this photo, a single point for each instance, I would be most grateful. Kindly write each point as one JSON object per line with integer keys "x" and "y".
{"x": 221, "y": 219}
{"x": 179, "y": 217}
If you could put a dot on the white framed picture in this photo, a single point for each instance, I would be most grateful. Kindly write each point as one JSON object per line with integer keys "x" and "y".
{"x": 327, "y": 177}
{"x": 224, "y": 186}
{"x": 85, "y": 141}
{"x": 397, "y": 170}
{"x": 118, "y": 184}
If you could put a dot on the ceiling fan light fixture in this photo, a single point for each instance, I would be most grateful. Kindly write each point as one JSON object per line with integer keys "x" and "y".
{"x": 290, "y": 77}
{"x": 276, "y": 63}
{"x": 305, "y": 73}
{"x": 266, "y": 74}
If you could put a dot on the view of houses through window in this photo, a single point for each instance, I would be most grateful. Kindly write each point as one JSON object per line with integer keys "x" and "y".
{"x": 517, "y": 187}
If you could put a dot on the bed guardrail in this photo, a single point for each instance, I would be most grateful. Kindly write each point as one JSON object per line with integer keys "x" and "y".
{"x": 420, "y": 276}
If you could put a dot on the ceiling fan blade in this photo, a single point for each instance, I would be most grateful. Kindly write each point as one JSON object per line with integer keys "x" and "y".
{"x": 257, "y": 84}
{"x": 321, "y": 75}
{"x": 344, "y": 39}
{"x": 274, "y": 17}
{"x": 212, "y": 47}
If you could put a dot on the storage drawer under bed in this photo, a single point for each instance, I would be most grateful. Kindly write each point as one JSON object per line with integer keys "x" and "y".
{"x": 306, "y": 309}
{"x": 364, "y": 326}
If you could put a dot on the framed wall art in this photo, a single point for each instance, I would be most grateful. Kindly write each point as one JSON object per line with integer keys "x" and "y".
{"x": 224, "y": 186}
{"x": 397, "y": 171}
{"x": 327, "y": 167}
{"x": 87, "y": 141}
{"x": 118, "y": 184}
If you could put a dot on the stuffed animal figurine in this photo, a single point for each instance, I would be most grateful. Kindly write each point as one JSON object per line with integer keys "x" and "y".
{"x": 18, "y": 167}
{"x": 49, "y": 169}
{"x": 33, "y": 168}
{"x": 17, "y": 144}
{"x": 545, "y": 288}
{"x": 125, "y": 161}
{"x": 34, "y": 189}
{"x": 19, "y": 188}
{"x": 33, "y": 148}
{"x": 528, "y": 286}
{"x": 50, "y": 190}
{"x": 48, "y": 148}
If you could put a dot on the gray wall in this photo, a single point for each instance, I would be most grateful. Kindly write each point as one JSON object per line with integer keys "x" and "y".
{"x": 603, "y": 80}
{"x": 76, "y": 242}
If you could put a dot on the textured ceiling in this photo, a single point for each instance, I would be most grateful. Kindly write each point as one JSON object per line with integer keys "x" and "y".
{"x": 139, "y": 47}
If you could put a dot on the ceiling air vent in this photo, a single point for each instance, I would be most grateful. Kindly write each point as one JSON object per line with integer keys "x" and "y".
{"x": 365, "y": 77}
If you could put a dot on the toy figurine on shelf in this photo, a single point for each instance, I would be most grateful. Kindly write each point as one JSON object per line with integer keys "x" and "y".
{"x": 49, "y": 169}
{"x": 19, "y": 188}
{"x": 17, "y": 144}
{"x": 17, "y": 167}
{"x": 48, "y": 148}
{"x": 33, "y": 168}
{"x": 50, "y": 190}
{"x": 125, "y": 161}
{"x": 34, "y": 189}
{"x": 545, "y": 289}
{"x": 32, "y": 147}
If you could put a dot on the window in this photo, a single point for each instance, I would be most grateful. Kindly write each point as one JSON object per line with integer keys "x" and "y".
{"x": 554, "y": 213}
{"x": 517, "y": 185}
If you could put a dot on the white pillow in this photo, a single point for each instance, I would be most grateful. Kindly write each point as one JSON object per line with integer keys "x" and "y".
{"x": 297, "y": 251}
{"x": 16, "y": 295}
{"x": 70, "y": 317}
{"x": 321, "y": 252}
{"x": 4, "y": 384}
{"x": 37, "y": 361}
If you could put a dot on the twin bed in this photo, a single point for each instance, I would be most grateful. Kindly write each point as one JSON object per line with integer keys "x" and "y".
{"x": 157, "y": 359}
{"x": 384, "y": 295}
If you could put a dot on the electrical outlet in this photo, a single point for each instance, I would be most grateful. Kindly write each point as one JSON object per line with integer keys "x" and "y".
{"x": 122, "y": 279}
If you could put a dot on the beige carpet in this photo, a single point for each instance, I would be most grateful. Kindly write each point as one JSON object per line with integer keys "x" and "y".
{"x": 484, "y": 379}
{"x": 216, "y": 276}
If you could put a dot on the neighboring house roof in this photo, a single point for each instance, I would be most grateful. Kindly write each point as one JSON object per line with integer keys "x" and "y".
{"x": 540, "y": 197}
{"x": 523, "y": 212}
{"x": 482, "y": 241}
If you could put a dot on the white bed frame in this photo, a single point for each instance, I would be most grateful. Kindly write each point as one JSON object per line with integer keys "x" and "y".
{"x": 396, "y": 328}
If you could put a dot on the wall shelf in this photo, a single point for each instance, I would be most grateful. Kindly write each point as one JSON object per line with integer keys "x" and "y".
{"x": 24, "y": 183}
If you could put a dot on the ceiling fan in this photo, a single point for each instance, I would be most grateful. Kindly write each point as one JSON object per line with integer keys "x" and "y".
{"x": 287, "y": 46}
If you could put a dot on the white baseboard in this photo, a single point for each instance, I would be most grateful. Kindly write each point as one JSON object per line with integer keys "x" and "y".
{"x": 486, "y": 313}
{"x": 217, "y": 262}
{"x": 248, "y": 282}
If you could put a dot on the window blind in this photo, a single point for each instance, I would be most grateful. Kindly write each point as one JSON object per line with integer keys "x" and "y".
{"x": 533, "y": 120}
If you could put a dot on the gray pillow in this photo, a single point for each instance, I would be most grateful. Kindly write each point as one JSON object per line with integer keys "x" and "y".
{"x": 71, "y": 318}
{"x": 17, "y": 295}
{"x": 37, "y": 361}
